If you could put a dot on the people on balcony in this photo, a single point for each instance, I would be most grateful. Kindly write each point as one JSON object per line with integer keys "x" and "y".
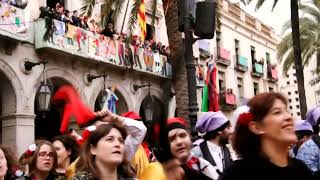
{"x": 84, "y": 23}
{"x": 75, "y": 19}
{"x": 108, "y": 30}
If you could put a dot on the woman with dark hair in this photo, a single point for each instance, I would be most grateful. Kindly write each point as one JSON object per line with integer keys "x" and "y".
{"x": 43, "y": 162}
{"x": 262, "y": 139}
{"x": 103, "y": 155}
{"x": 67, "y": 150}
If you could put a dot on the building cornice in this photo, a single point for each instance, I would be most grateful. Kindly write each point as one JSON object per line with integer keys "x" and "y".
{"x": 255, "y": 32}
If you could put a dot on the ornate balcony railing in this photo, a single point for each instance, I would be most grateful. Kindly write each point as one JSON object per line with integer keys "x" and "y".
{"x": 224, "y": 56}
{"x": 227, "y": 100}
{"x": 15, "y": 23}
{"x": 54, "y": 34}
{"x": 241, "y": 63}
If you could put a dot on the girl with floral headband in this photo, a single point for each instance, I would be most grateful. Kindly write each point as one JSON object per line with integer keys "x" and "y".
{"x": 262, "y": 138}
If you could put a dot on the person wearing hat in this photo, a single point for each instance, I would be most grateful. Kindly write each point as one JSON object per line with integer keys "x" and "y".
{"x": 180, "y": 145}
{"x": 218, "y": 130}
{"x": 309, "y": 152}
{"x": 304, "y": 132}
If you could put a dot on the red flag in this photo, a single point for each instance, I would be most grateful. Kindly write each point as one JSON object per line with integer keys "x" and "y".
{"x": 213, "y": 94}
{"x": 73, "y": 107}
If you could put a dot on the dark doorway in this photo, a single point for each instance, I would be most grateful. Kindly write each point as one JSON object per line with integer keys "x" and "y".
{"x": 47, "y": 124}
{"x": 150, "y": 32}
{"x": 52, "y": 3}
{"x": 157, "y": 117}
{"x": 121, "y": 105}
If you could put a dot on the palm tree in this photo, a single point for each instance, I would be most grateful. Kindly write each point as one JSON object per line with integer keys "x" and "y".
{"x": 296, "y": 49}
{"x": 309, "y": 36}
{"x": 175, "y": 41}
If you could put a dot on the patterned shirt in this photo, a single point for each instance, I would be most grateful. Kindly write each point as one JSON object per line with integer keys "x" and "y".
{"x": 309, "y": 153}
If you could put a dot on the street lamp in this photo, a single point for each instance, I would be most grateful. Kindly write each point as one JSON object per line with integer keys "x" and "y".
{"x": 44, "y": 92}
{"x": 44, "y": 97}
{"x": 148, "y": 108}
{"x": 204, "y": 29}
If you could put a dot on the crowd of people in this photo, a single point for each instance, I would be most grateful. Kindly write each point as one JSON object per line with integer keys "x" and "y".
{"x": 266, "y": 144}
{"x": 127, "y": 56}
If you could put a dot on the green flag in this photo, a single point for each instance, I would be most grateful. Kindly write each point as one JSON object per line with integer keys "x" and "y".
{"x": 205, "y": 105}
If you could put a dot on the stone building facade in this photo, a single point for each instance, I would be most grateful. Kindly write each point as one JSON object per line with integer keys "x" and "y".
{"x": 244, "y": 52}
{"x": 69, "y": 62}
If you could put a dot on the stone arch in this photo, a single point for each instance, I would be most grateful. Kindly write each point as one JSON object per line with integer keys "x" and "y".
{"x": 47, "y": 124}
{"x": 153, "y": 91}
{"x": 64, "y": 75}
{"x": 16, "y": 85}
{"x": 120, "y": 88}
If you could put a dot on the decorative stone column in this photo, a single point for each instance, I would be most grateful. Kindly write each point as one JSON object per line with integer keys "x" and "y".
{"x": 18, "y": 131}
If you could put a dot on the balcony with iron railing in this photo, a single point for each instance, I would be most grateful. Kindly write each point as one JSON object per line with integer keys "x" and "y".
{"x": 272, "y": 73}
{"x": 224, "y": 56}
{"x": 241, "y": 63}
{"x": 15, "y": 23}
{"x": 257, "y": 69}
{"x": 56, "y": 36}
{"x": 227, "y": 100}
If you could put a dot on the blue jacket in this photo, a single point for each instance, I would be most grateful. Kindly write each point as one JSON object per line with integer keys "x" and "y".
{"x": 309, "y": 153}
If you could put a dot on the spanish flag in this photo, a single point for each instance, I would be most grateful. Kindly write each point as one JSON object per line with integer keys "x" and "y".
{"x": 142, "y": 19}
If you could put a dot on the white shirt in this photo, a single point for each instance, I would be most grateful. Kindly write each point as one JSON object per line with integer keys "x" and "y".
{"x": 206, "y": 168}
{"x": 215, "y": 151}
{"x": 136, "y": 131}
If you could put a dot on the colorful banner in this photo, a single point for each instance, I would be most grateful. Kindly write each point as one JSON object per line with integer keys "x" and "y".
{"x": 14, "y": 20}
{"x": 66, "y": 37}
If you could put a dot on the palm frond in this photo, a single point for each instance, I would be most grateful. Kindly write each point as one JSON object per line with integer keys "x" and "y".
{"x": 307, "y": 56}
{"x": 310, "y": 10}
{"x": 87, "y": 7}
{"x": 286, "y": 26}
{"x": 316, "y": 3}
{"x": 154, "y": 11}
{"x": 116, "y": 6}
{"x": 133, "y": 17}
{"x": 261, "y": 2}
{"x": 284, "y": 46}
{"x": 288, "y": 62}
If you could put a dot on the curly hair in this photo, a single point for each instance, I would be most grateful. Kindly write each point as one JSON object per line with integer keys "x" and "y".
{"x": 87, "y": 163}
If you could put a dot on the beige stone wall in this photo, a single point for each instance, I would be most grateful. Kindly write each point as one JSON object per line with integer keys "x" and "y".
{"x": 233, "y": 27}
{"x": 20, "y": 89}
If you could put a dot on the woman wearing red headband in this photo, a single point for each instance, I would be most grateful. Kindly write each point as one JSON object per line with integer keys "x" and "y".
{"x": 262, "y": 139}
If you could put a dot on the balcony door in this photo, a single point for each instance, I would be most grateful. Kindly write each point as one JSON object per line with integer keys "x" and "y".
{"x": 52, "y": 3}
